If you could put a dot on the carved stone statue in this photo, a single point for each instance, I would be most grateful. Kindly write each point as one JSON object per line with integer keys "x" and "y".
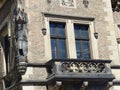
{"x": 20, "y": 19}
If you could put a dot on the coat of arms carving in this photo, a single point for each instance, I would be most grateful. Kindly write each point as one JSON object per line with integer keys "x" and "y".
{"x": 69, "y": 3}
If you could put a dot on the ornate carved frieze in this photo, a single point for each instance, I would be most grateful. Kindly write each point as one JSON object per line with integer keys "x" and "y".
{"x": 80, "y": 68}
{"x": 83, "y": 67}
{"x": 81, "y": 72}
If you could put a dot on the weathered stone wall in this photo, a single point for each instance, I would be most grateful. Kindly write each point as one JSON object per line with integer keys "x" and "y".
{"x": 116, "y": 16}
{"x": 100, "y": 10}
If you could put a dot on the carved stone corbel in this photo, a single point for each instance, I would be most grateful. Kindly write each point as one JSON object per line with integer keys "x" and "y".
{"x": 84, "y": 85}
{"x": 58, "y": 83}
{"x": 109, "y": 85}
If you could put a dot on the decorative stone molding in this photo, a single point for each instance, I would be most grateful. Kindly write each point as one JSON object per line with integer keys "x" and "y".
{"x": 83, "y": 67}
{"x": 86, "y": 3}
{"x": 68, "y": 3}
{"x": 80, "y": 68}
{"x": 80, "y": 71}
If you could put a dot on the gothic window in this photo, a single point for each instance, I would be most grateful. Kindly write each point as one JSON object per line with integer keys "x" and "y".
{"x": 58, "y": 40}
{"x": 82, "y": 41}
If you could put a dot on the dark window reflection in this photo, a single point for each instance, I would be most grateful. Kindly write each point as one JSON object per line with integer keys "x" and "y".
{"x": 82, "y": 41}
{"x": 58, "y": 40}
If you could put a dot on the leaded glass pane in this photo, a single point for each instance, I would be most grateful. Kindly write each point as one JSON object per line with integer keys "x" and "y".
{"x": 76, "y": 30}
{"x": 52, "y": 29}
{"x": 60, "y": 28}
{"x": 62, "y": 48}
{"x": 85, "y": 46}
{"x": 53, "y": 45}
{"x": 82, "y": 41}
{"x": 58, "y": 40}
{"x": 84, "y": 32}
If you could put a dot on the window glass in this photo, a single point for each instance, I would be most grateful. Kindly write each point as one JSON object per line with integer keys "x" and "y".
{"x": 58, "y": 40}
{"x": 77, "y": 31}
{"x": 52, "y": 29}
{"x": 62, "y": 48}
{"x": 82, "y": 41}
{"x": 61, "y": 31}
{"x": 84, "y": 32}
{"x": 53, "y": 44}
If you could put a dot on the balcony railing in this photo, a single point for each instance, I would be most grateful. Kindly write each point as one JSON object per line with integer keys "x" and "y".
{"x": 79, "y": 69}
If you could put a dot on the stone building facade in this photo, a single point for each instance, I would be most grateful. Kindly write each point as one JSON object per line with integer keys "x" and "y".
{"x": 35, "y": 55}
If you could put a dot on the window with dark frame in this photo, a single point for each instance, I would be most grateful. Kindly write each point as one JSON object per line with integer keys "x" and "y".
{"x": 82, "y": 41}
{"x": 58, "y": 40}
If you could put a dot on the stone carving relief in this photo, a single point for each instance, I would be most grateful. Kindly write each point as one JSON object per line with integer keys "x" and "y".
{"x": 83, "y": 67}
{"x": 20, "y": 20}
{"x": 68, "y": 3}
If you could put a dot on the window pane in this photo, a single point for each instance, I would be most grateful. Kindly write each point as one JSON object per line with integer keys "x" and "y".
{"x": 53, "y": 44}
{"x": 85, "y": 46}
{"x": 52, "y": 28}
{"x": 86, "y": 52}
{"x": 84, "y": 32}
{"x": 61, "y": 29}
{"x": 87, "y": 55}
{"x": 58, "y": 45}
{"x": 78, "y": 45}
{"x": 76, "y": 30}
{"x": 79, "y": 55}
{"x": 82, "y": 41}
{"x": 54, "y": 55}
{"x": 54, "y": 48}
{"x": 62, "y": 48}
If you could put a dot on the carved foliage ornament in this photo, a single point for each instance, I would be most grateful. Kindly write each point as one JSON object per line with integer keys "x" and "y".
{"x": 83, "y": 67}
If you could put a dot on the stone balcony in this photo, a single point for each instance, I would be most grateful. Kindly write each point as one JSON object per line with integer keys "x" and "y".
{"x": 79, "y": 70}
